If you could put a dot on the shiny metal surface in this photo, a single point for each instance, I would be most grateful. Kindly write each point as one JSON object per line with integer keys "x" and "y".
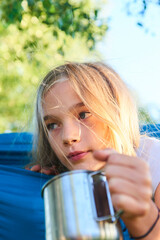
{"x": 69, "y": 210}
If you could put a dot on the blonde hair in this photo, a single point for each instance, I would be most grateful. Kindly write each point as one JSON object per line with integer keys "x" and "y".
{"x": 104, "y": 94}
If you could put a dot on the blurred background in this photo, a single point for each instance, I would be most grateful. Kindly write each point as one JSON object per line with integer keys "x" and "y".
{"x": 36, "y": 35}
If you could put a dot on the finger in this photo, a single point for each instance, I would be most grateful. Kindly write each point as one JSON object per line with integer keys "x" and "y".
{"x": 130, "y": 206}
{"x": 36, "y": 168}
{"x": 27, "y": 168}
{"x": 136, "y": 191}
{"x": 48, "y": 171}
{"x": 103, "y": 154}
{"x": 112, "y": 157}
{"x": 127, "y": 173}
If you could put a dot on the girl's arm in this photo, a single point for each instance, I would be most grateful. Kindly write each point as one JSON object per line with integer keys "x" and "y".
{"x": 129, "y": 181}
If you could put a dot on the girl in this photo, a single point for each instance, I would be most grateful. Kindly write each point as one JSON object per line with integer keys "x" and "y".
{"x": 86, "y": 119}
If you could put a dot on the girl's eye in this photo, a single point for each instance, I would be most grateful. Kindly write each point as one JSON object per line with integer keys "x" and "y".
{"x": 84, "y": 115}
{"x": 52, "y": 126}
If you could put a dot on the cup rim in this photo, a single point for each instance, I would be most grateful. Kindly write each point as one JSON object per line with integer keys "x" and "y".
{"x": 62, "y": 175}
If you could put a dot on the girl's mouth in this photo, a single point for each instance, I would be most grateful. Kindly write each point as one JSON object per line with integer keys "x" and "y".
{"x": 78, "y": 155}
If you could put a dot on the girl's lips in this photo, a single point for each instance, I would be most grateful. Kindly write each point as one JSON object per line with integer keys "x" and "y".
{"x": 75, "y": 156}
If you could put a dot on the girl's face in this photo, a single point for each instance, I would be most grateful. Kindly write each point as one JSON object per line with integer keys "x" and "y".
{"x": 73, "y": 132}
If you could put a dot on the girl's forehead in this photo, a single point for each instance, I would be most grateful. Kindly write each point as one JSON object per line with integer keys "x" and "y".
{"x": 56, "y": 82}
{"x": 61, "y": 88}
{"x": 60, "y": 95}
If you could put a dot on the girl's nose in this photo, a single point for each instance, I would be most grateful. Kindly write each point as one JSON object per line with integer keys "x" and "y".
{"x": 71, "y": 132}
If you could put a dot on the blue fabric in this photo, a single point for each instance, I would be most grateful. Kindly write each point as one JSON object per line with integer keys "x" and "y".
{"x": 124, "y": 231}
{"x": 21, "y": 205}
{"x": 151, "y": 130}
{"x": 15, "y": 149}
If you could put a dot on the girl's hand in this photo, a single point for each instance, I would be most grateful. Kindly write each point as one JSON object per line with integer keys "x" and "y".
{"x": 38, "y": 168}
{"x": 129, "y": 182}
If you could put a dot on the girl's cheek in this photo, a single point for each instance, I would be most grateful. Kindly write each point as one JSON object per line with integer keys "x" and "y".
{"x": 54, "y": 135}
{"x": 52, "y": 142}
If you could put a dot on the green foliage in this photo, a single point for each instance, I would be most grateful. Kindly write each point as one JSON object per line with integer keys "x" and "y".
{"x": 35, "y": 36}
{"x": 144, "y": 116}
{"x": 71, "y": 17}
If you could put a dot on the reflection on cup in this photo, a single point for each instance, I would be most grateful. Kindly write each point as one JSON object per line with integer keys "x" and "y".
{"x": 78, "y": 206}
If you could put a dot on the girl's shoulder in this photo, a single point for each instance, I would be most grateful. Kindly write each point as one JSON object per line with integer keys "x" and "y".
{"x": 149, "y": 150}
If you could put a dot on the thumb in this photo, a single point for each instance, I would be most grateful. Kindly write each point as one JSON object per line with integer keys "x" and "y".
{"x": 103, "y": 155}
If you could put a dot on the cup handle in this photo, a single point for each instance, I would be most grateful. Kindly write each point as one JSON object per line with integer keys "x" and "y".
{"x": 101, "y": 198}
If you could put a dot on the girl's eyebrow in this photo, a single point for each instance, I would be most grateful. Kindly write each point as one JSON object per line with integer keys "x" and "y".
{"x": 47, "y": 117}
{"x": 77, "y": 105}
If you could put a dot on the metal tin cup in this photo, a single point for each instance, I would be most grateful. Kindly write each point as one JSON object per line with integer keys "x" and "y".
{"x": 78, "y": 206}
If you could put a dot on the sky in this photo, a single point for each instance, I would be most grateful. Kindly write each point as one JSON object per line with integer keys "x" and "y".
{"x": 134, "y": 52}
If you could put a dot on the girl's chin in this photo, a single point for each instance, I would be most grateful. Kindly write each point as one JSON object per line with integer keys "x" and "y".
{"x": 87, "y": 164}
{"x": 88, "y": 167}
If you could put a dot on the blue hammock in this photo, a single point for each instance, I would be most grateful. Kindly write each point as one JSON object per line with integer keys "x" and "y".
{"x": 21, "y": 205}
